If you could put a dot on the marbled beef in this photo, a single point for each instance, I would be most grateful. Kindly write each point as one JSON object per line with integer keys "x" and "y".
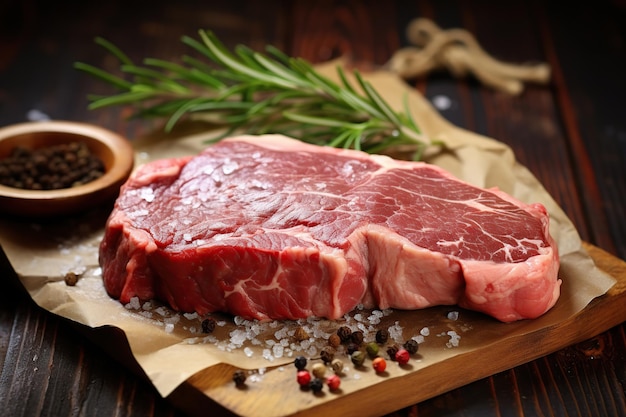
{"x": 270, "y": 227}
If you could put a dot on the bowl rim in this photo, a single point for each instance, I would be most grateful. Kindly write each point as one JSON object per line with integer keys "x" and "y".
{"x": 123, "y": 155}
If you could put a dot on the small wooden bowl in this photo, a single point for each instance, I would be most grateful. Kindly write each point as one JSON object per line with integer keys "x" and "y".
{"x": 115, "y": 152}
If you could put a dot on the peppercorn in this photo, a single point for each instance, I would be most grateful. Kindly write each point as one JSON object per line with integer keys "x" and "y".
{"x": 337, "y": 366}
{"x": 333, "y": 382}
{"x": 300, "y": 363}
{"x": 382, "y": 336}
{"x": 351, "y": 347}
{"x": 372, "y": 349}
{"x": 239, "y": 377}
{"x": 303, "y": 377}
{"x": 334, "y": 340}
{"x": 379, "y": 364}
{"x": 357, "y": 358}
{"x": 319, "y": 370}
{"x": 51, "y": 167}
{"x": 357, "y": 337}
{"x": 71, "y": 278}
{"x": 208, "y": 325}
{"x": 327, "y": 354}
{"x": 391, "y": 351}
{"x": 411, "y": 346}
{"x": 301, "y": 334}
{"x": 316, "y": 385}
{"x": 344, "y": 333}
{"x": 402, "y": 356}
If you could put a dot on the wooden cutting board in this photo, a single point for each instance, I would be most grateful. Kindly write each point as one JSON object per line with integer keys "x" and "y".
{"x": 276, "y": 393}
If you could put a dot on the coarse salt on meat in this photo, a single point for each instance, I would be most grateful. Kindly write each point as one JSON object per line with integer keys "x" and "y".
{"x": 270, "y": 227}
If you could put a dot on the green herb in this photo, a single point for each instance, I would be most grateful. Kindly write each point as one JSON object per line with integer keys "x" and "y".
{"x": 256, "y": 93}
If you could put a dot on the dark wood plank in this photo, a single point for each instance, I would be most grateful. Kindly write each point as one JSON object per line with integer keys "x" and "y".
{"x": 570, "y": 134}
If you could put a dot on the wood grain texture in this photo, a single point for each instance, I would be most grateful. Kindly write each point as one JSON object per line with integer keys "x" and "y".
{"x": 571, "y": 134}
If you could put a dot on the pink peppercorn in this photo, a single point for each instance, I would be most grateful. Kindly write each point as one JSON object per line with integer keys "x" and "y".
{"x": 402, "y": 356}
{"x": 379, "y": 364}
{"x": 333, "y": 382}
{"x": 303, "y": 377}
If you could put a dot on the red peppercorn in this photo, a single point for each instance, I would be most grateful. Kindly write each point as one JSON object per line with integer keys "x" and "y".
{"x": 304, "y": 377}
{"x": 379, "y": 364}
{"x": 402, "y": 356}
{"x": 333, "y": 382}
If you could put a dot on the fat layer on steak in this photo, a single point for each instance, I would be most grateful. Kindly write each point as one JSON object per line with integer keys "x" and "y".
{"x": 270, "y": 227}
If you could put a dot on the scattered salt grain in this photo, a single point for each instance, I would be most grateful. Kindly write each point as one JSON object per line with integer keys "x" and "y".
{"x": 147, "y": 194}
{"x": 425, "y": 331}
{"x": 395, "y": 332}
{"x": 248, "y": 352}
{"x": 133, "y": 304}
{"x": 454, "y": 339}
{"x": 169, "y": 327}
{"x": 238, "y": 337}
{"x": 278, "y": 351}
{"x": 267, "y": 355}
{"x": 190, "y": 316}
{"x": 161, "y": 311}
{"x": 453, "y": 315}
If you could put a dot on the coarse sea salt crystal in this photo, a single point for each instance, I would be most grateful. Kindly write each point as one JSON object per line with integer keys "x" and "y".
{"x": 169, "y": 327}
{"x": 278, "y": 351}
{"x": 248, "y": 352}
{"x": 133, "y": 304}
{"x": 425, "y": 331}
{"x": 395, "y": 332}
{"x": 453, "y": 315}
{"x": 238, "y": 337}
{"x": 267, "y": 355}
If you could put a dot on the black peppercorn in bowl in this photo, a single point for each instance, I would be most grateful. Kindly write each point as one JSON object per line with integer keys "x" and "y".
{"x": 58, "y": 168}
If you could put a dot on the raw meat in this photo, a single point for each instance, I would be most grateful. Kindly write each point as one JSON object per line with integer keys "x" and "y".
{"x": 270, "y": 227}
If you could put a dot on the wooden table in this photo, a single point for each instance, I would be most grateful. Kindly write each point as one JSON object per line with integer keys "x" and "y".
{"x": 571, "y": 134}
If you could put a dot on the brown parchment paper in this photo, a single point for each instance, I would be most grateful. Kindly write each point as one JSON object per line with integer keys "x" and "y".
{"x": 170, "y": 347}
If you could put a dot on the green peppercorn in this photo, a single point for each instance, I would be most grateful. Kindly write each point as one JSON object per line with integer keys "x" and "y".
{"x": 382, "y": 336}
{"x": 344, "y": 334}
{"x": 208, "y": 325}
{"x": 372, "y": 349}
{"x": 411, "y": 346}
{"x": 357, "y": 358}
{"x": 300, "y": 363}
{"x": 327, "y": 354}
{"x": 239, "y": 377}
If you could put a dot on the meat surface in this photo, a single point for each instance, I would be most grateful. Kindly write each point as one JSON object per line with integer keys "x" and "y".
{"x": 270, "y": 227}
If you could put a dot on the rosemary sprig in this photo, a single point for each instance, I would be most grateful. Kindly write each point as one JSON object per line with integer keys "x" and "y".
{"x": 252, "y": 92}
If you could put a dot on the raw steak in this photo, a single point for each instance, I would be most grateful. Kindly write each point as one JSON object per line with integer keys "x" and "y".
{"x": 271, "y": 227}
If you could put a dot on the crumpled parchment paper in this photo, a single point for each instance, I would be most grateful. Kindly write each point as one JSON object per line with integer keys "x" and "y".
{"x": 171, "y": 347}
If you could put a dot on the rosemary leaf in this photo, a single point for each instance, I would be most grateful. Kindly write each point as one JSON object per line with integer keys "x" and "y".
{"x": 259, "y": 92}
